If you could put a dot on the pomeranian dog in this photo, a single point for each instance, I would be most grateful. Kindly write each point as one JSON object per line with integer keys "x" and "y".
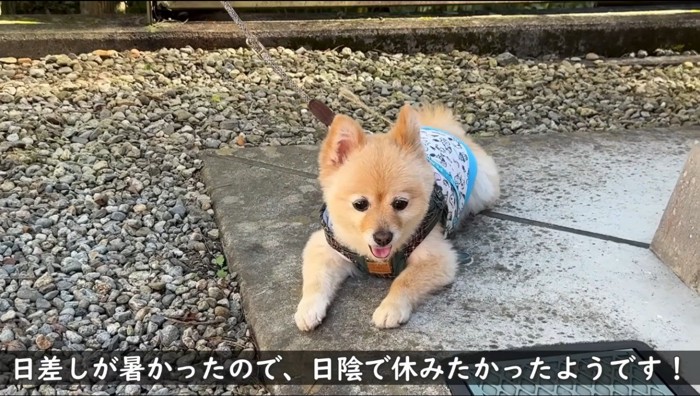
{"x": 391, "y": 202}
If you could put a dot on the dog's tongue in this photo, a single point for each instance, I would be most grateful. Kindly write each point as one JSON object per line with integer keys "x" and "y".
{"x": 381, "y": 252}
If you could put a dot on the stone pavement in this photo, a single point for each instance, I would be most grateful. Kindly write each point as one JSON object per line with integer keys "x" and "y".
{"x": 563, "y": 258}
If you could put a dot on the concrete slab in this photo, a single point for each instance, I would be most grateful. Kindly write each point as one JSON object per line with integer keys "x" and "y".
{"x": 616, "y": 184}
{"x": 528, "y": 284}
{"x": 676, "y": 240}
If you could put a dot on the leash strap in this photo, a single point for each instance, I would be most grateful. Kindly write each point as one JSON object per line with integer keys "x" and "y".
{"x": 321, "y": 112}
{"x": 317, "y": 108}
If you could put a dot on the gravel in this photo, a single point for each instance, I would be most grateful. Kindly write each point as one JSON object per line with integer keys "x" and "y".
{"x": 107, "y": 235}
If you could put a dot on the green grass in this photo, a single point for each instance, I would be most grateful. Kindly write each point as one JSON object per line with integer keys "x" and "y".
{"x": 678, "y": 47}
{"x": 220, "y": 262}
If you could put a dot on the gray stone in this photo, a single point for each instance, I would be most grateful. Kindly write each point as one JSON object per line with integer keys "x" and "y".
{"x": 506, "y": 59}
{"x": 136, "y": 303}
{"x": 157, "y": 286}
{"x": 63, "y": 60}
{"x": 182, "y": 115}
{"x": 100, "y": 165}
{"x": 44, "y": 222}
{"x": 213, "y": 234}
{"x": 118, "y": 216}
{"x": 157, "y": 319}
{"x": 63, "y": 284}
{"x": 216, "y": 293}
{"x": 8, "y": 316}
{"x": 212, "y": 143}
{"x": 222, "y": 312}
{"x": 168, "y": 299}
{"x": 37, "y": 72}
{"x": 161, "y": 392}
{"x": 229, "y": 124}
{"x": 73, "y": 337}
{"x": 70, "y": 265}
{"x": 103, "y": 337}
{"x": 122, "y": 317}
{"x": 7, "y": 186}
{"x": 6, "y": 334}
{"x": 28, "y": 293}
{"x": 132, "y": 389}
{"x": 21, "y": 305}
{"x": 112, "y": 328}
{"x": 87, "y": 330}
{"x": 169, "y": 335}
{"x": 42, "y": 303}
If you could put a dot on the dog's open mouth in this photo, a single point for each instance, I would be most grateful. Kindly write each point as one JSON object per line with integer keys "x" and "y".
{"x": 381, "y": 252}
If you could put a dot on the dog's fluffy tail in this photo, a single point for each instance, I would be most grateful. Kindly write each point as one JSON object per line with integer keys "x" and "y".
{"x": 440, "y": 117}
{"x": 487, "y": 185}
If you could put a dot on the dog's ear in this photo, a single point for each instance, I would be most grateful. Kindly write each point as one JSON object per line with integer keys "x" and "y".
{"x": 406, "y": 131}
{"x": 345, "y": 135}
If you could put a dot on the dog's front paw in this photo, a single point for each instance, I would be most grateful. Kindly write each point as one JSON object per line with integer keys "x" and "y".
{"x": 391, "y": 313}
{"x": 310, "y": 312}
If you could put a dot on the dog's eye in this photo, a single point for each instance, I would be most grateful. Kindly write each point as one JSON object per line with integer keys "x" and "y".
{"x": 360, "y": 205}
{"x": 399, "y": 204}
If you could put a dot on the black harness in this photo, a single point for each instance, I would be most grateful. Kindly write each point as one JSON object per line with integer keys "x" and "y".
{"x": 437, "y": 212}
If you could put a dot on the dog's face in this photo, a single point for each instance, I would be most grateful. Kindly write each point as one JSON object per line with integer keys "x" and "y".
{"x": 376, "y": 187}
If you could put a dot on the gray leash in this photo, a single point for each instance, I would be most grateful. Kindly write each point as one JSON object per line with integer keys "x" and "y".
{"x": 262, "y": 52}
{"x": 317, "y": 108}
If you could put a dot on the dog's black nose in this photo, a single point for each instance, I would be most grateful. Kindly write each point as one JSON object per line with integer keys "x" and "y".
{"x": 382, "y": 237}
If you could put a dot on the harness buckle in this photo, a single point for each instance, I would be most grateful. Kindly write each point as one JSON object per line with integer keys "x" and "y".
{"x": 379, "y": 268}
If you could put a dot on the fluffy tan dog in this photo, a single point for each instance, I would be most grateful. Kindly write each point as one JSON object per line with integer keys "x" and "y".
{"x": 377, "y": 190}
